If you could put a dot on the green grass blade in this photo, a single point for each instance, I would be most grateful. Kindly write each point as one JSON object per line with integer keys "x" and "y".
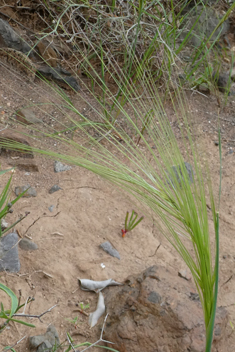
{"x": 210, "y": 328}
{"x": 126, "y": 220}
{"x": 14, "y": 300}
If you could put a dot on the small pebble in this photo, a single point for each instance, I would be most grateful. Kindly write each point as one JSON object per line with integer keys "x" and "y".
{"x": 59, "y": 167}
{"x": 51, "y": 208}
{"x": 27, "y": 245}
{"x": 54, "y": 188}
{"x": 108, "y": 248}
{"x": 31, "y": 192}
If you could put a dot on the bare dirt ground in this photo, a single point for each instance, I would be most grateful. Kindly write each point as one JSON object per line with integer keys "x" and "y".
{"x": 88, "y": 211}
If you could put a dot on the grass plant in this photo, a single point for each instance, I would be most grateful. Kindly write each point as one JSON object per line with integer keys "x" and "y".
{"x": 129, "y": 139}
{"x": 131, "y": 223}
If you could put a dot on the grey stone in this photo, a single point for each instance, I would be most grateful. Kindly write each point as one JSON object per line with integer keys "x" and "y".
{"x": 50, "y": 208}
{"x": 10, "y": 39}
{"x": 35, "y": 341}
{"x": 54, "y": 188}
{"x": 59, "y": 167}
{"x": 45, "y": 342}
{"x": 27, "y": 116}
{"x": 154, "y": 297}
{"x": 27, "y": 245}
{"x": 9, "y": 257}
{"x": 108, "y": 248}
{"x": 31, "y": 192}
{"x": 179, "y": 175}
{"x": 65, "y": 80}
{"x": 45, "y": 346}
{"x": 205, "y": 25}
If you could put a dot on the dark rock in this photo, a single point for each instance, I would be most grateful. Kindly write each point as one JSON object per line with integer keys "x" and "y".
{"x": 9, "y": 258}
{"x": 153, "y": 311}
{"x": 194, "y": 296}
{"x": 154, "y": 297}
{"x": 27, "y": 116}
{"x": 8, "y": 136}
{"x": 108, "y": 248}
{"x": 47, "y": 341}
{"x": 31, "y": 192}
{"x": 10, "y": 39}
{"x": 206, "y": 24}
{"x": 59, "y": 167}
{"x": 54, "y": 188}
{"x": 27, "y": 245}
{"x": 24, "y": 165}
{"x": 223, "y": 81}
{"x": 58, "y": 76}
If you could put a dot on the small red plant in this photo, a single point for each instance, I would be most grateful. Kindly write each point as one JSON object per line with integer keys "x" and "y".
{"x": 132, "y": 223}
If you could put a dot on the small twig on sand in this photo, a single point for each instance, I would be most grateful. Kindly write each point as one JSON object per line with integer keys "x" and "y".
{"x": 26, "y": 304}
{"x": 10, "y": 347}
{"x": 81, "y": 311}
{"x": 33, "y": 316}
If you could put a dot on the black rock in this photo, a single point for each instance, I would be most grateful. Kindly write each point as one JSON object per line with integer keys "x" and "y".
{"x": 223, "y": 81}
{"x": 65, "y": 80}
{"x": 10, "y": 39}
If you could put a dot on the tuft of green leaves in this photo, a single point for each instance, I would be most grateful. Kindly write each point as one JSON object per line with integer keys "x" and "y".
{"x": 131, "y": 223}
{"x": 7, "y": 315}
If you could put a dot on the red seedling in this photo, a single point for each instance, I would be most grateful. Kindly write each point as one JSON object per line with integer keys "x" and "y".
{"x": 132, "y": 223}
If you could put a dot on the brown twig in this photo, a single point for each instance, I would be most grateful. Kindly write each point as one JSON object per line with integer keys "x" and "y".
{"x": 81, "y": 311}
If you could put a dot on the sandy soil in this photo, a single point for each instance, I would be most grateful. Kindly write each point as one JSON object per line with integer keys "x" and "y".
{"x": 89, "y": 211}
